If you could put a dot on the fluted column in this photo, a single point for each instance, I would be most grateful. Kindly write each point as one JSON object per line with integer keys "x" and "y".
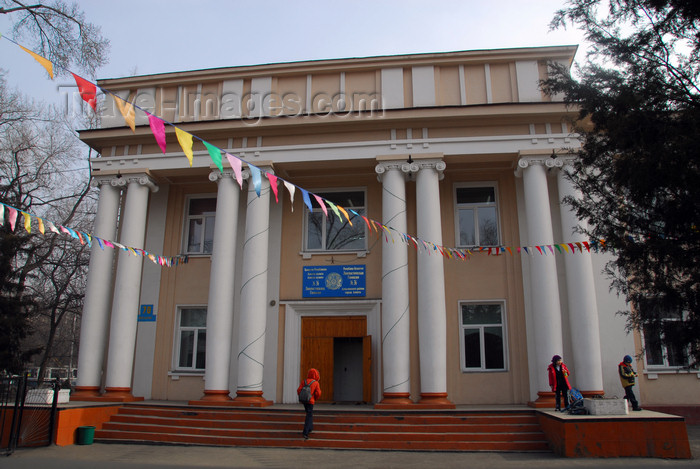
{"x": 432, "y": 321}
{"x": 582, "y": 305}
{"x": 543, "y": 272}
{"x": 253, "y": 295}
{"x": 221, "y": 290}
{"x": 95, "y": 317}
{"x": 125, "y": 306}
{"x": 395, "y": 306}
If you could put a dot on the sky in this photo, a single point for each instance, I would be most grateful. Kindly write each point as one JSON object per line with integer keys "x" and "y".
{"x": 158, "y": 36}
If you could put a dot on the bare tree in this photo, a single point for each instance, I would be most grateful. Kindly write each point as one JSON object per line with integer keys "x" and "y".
{"x": 42, "y": 172}
{"x": 59, "y": 32}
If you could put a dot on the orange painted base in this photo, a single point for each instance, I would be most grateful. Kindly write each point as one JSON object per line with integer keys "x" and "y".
{"x": 581, "y": 436}
{"x": 544, "y": 399}
{"x": 85, "y": 393}
{"x": 67, "y": 421}
{"x": 214, "y": 397}
{"x": 119, "y": 395}
{"x": 434, "y": 400}
{"x": 91, "y": 394}
{"x": 250, "y": 399}
{"x": 395, "y": 400}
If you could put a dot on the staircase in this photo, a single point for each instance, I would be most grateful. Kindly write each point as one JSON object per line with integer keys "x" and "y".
{"x": 333, "y": 429}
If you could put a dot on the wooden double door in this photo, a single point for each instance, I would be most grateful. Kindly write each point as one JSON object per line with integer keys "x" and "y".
{"x": 338, "y": 347}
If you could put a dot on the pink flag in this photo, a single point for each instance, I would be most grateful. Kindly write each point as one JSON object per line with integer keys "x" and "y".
{"x": 236, "y": 165}
{"x": 158, "y": 129}
{"x": 273, "y": 185}
{"x": 12, "y": 217}
{"x": 88, "y": 91}
{"x": 320, "y": 202}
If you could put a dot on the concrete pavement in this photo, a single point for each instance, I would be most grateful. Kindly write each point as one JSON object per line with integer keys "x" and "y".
{"x": 120, "y": 456}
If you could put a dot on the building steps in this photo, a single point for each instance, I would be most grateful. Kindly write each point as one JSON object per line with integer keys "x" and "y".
{"x": 381, "y": 430}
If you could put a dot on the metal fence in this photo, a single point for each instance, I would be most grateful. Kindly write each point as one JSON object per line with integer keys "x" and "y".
{"x": 27, "y": 413}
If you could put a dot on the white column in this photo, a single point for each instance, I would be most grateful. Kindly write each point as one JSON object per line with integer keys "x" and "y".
{"x": 95, "y": 317}
{"x": 253, "y": 295}
{"x": 583, "y": 310}
{"x": 221, "y": 285}
{"x": 125, "y": 306}
{"x": 395, "y": 305}
{"x": 543, "y": 270}
{"x": 432, "y": 326}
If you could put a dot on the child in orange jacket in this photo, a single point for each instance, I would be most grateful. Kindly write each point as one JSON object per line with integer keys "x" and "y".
{"x": 312, "y": 377}
{"x": 559, "y": 381}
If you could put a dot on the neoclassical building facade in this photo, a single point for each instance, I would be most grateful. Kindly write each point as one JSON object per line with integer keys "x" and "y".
{"x": 456, "y": 150}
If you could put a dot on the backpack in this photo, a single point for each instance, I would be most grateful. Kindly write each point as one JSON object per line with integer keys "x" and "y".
{"x": 305, "y": 393}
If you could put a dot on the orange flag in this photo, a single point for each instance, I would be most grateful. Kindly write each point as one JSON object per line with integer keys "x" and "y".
{"x": 42, "y": 60}
{"x": 127, "y": 110}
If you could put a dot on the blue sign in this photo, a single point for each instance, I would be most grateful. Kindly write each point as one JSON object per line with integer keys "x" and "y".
{"x": 322, "y": 281}
{"x": 146, "y": 314}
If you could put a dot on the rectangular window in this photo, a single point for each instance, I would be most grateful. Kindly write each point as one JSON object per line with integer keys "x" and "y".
{"x": 659, "y": 348}
{"x": 483, "y": 336}
{"x": 477, "y": 216}
{"x": 333, "y": 233}
{"x": 199, "y": 225}
{"x": 191, "y": 339}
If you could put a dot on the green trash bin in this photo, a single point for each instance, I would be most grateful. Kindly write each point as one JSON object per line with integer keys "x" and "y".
{"x": 86, "y": 435}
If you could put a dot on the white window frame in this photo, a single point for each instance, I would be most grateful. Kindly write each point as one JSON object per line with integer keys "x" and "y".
{"x": 495, "y": 204}
{"x": 177, "y": 369}
{"x": 316, "y": 209}
{"x": 186, "y": 222}
{"x": 462, "y": 327}
{"x": 664, "y": 352}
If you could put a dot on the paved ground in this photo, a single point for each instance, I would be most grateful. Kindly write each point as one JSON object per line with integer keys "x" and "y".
{"x": 117, "y": 456}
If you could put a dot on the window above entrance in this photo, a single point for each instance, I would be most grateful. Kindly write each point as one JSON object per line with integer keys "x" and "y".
{"x": 330, "y": 233}
{"x": 199, "y": 225}
{"x": 476, "y": 215}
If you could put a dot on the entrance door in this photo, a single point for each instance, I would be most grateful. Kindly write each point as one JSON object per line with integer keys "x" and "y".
{"x": 339, "y": 349}
{"x": 347, "y": 369}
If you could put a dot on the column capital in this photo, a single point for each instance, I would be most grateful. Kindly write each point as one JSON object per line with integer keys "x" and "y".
{"x": 111, "y": 180}
{"x": 548, "y": 161}
{"x": 139, "y": 178}
{"x": 563, "y": 161}
{"x": 405, "y": 167}
{"x": 435, "y": 164}
{"x": 216, "y": 176}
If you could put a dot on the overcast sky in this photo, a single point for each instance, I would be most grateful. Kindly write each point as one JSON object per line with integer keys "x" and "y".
{"x": 156, "y": 36}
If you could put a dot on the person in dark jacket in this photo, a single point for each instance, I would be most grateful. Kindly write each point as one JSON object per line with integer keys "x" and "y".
{"x": 627, "y": 378}
{"x": 559, "y": 381}
{"x": 312, "y": 377}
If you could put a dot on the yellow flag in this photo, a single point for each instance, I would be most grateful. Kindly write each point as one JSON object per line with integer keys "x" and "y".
{"x": 43, "y": 61}
{"x": 127, "y": 110}
{"x": 185, "y": 140}
{"x": 27, "y": 222}
{"x": 345, "y": 213}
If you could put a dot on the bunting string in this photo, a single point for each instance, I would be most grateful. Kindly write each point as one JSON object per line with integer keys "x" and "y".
{"x": 13, "y": 214}
{"x": 88, "y": 92}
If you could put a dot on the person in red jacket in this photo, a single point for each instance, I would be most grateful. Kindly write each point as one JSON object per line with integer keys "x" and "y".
{"x": 311, "y": 377}
{"x": 559, "y": 381}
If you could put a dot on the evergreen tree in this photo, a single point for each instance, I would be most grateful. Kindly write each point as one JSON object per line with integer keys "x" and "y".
{"x": 639, "y": 124}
